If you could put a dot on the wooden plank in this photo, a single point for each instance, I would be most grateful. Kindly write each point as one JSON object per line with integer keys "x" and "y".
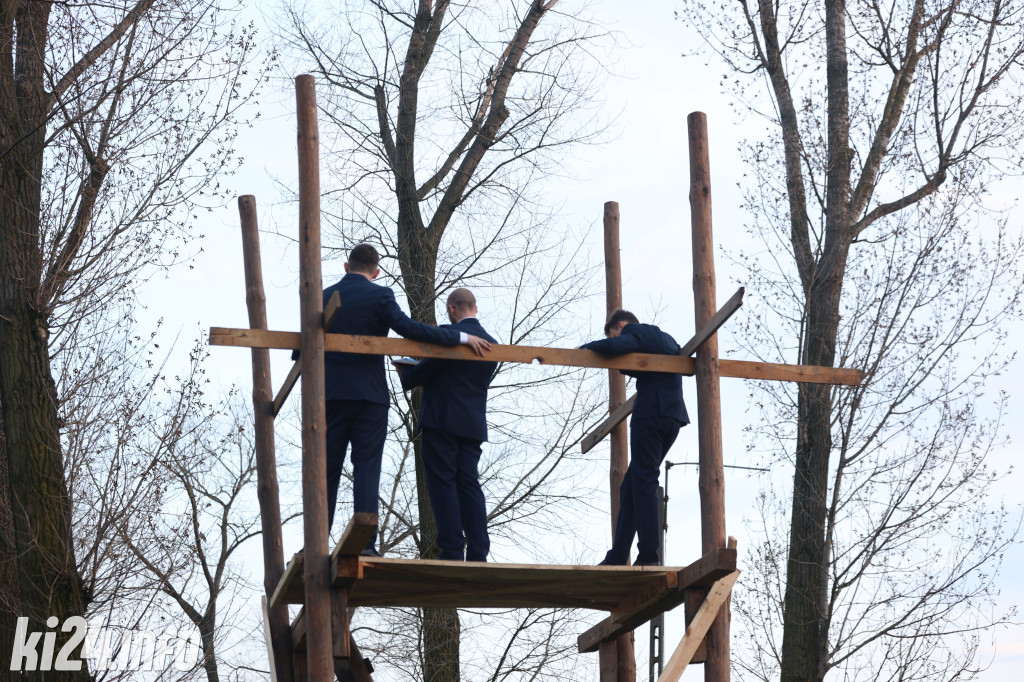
{"x": 360, "y": 667}
{"x": 608, "y": 665}
{"x": 270, "y": 641}
{"x": 423, "y": 583}
{"x": 694, "y": 598}
{"x": 630, "y": 614}
{"x": 287, "y": 386}
{"x": 299, "y": 631}
{"x": 640, "y": 607}
{"x": 356, "y": 666}
{"x": 289, "y": 590}
{"x": 605, "y": 427}
{"x": 330, "y": 311}
{"x": 712, "y": 325}
{"x": 357, "y": 533}
{"x": 619, "y": 414}
{"x": 717, "y": 597}
{"x": 339, "y": 623}
{"x": 567, "y": 357}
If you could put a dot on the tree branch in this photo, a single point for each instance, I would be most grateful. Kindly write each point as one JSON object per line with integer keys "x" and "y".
{"x": 93, "y": 55}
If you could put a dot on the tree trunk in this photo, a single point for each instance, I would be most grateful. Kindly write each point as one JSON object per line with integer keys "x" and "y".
{"x": 441, "y": 626}
{"x": 806, "y": 622}
{"x": 207, "y": 632}
{"x": 48, "y": 582}
{"x": 10, "y": 602}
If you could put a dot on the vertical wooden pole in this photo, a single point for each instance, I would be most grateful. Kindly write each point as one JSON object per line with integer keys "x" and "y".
{"x": 711, "y": 481}
{"x": 625, "y": 663}
{"x": 319, "y": 653}
{"x": 266, "y": 464}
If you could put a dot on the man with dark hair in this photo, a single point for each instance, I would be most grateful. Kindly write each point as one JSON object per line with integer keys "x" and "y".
{"x": 453, "y": 424}
{"x": 658, "y": 414}
{"x": 356, "y": 389}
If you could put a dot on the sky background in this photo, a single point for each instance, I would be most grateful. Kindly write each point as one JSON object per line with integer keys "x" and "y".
{"x": 643, "y": 166}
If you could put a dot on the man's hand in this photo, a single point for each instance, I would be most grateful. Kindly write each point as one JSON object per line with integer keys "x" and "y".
{"x": 477, "y": 344}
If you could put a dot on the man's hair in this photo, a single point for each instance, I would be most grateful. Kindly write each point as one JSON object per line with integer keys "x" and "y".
{"x": 618, "y": 316}
{"x": 462, "y": 299}
{"x": 363, "y": 258}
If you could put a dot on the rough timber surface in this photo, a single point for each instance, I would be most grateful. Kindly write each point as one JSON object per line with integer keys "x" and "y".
{"x": 568, "y": 357}
{"x": 424, "y": 583}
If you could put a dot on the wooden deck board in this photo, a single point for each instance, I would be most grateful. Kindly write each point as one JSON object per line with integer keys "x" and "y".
{"x": 422, "y": 583}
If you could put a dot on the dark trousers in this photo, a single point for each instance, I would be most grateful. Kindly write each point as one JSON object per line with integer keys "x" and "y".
{"x": 453, "y": 484}
{"x": 364, "y": 424}
{"x": 649, "y": 441}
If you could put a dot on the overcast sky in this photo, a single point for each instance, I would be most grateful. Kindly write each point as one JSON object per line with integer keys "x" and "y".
{"x": 644, "y": 168}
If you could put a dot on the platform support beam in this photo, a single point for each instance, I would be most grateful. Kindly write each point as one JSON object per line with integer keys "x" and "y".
{"x": 711, "y": 478}
{"x": 625, "y": 659}
{"x": 319, "y": 645}
{"x": 266, "y": 462}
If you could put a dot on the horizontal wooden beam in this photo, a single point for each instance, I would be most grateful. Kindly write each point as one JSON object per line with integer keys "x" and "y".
{"x": 567, "y": 357}
{"x": 688, "y": 349}
{"x": 648, "y": 603}
{"x": 330, "y": 311}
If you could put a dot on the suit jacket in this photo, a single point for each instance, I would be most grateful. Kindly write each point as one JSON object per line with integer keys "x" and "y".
{"x": 658, "y": 394}
{"x": 454, "y": 391}
{"x": 369, "y": 309}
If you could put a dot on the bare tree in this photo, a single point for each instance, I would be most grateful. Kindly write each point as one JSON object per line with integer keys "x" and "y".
{"x": 211, "y": 470}
{"x": 887, "y": 124}
{"x": 116, "y": 121}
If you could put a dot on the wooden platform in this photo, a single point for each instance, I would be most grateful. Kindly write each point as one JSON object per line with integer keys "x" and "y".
{"x": 422, "y": 583}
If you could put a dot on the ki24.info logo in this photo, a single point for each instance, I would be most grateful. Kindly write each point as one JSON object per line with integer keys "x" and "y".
{"x": 106, "y": 648}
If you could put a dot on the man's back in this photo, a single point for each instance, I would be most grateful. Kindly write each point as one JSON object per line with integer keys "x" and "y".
{"x": 369, "y": 309}
{"x": 455, "y": 391}
{"x": 658, "y": 393}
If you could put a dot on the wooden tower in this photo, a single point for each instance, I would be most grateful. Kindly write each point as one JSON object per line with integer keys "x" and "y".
{"x": 317, "y": 645}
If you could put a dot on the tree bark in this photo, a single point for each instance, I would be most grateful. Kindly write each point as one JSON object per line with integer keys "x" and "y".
{"x": 47, "y": 578}
{"x": 805, "y": 630}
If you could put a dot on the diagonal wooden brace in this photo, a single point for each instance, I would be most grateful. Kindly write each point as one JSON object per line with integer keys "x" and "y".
{"x": 330, "y": 311}
{"x": 698, "y": 628}
{"x": 688, "y": 349}
{"x": 658, "y": 598}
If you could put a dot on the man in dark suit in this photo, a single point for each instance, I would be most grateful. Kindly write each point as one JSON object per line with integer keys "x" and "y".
{"x": 356, "y": 391}
{"x": 453, "y": 423}
{"x": 658, "y": 414}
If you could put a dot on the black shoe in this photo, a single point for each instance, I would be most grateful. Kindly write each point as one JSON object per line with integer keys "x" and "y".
{"x": 646, "y": 563}
{"x": 608, "y": 562}
{"x": 371, "y": 552}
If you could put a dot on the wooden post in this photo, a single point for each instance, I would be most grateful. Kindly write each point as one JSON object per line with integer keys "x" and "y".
{"x": 319, "y": 644}
{"x": 711, "y": 481}
{"x": 266, "y": 464}
{"x": 625, "y": 659}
